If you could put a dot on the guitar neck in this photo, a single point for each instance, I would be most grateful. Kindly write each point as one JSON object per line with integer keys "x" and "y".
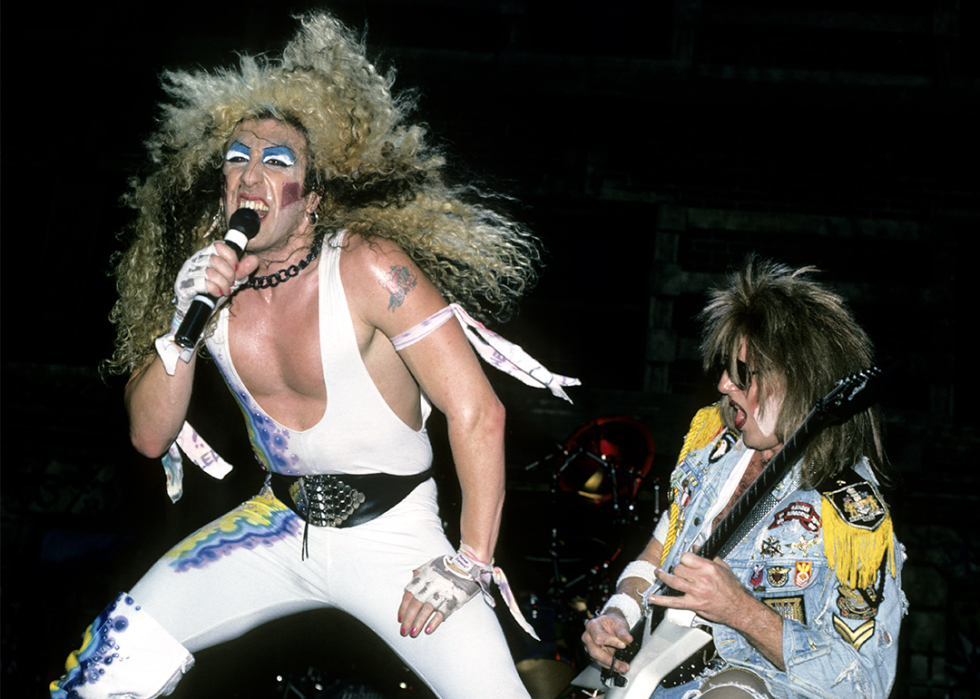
{"x": 722, "y": 538}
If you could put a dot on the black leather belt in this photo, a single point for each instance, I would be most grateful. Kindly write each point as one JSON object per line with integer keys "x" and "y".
{"x": 344, "y": 500}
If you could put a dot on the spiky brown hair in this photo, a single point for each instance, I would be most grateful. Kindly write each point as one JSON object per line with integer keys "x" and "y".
{"x": 800, "y": 338}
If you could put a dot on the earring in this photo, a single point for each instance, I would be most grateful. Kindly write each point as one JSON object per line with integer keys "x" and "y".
{"x": 219, "y": 217}
{"x": 313, "y": 217}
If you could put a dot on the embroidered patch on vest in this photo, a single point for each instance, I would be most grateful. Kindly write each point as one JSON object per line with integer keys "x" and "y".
{"x": 788, "y": 607}
{"x": 801, "y": 577}
{"x": 859, "y": 504}
{"x": 802, "y": 512}
{"x": 723, "y": 446}
{"x": 685, "y": 495}
{"x": 758, "y": 571}
{"x": 777, "y": 576}
{"x": 855, "y": 605}
{"x": 856, "y": 637}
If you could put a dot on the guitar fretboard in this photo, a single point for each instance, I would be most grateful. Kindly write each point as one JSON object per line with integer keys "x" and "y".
{"x": 739, "y": 519}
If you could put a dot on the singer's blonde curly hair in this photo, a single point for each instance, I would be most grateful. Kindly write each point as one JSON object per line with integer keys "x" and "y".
{"x": 375, "y": 174}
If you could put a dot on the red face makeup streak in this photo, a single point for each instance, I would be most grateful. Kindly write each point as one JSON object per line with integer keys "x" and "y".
{"x": 292, "y": 192}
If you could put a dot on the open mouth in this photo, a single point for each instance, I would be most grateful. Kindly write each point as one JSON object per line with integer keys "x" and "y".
{"x": 740, "y": 415}
{"x": 256, "y": 205}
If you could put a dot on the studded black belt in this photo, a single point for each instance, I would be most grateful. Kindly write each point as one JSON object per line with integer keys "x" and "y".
{"x": 344, "y": 500}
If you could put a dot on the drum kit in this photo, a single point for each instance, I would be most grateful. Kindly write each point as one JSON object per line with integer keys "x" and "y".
{"x": 594, "y": 487}
{"x": 595, "y": 481}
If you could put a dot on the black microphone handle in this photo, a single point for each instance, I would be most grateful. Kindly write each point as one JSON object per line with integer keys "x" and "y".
{"x": 193, "y": 324}
{"x": 243, "y": 227}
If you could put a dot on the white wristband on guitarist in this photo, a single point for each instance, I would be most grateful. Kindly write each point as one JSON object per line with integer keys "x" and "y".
{"x": 625, "y": 603}
{"x": 644, "y": 570}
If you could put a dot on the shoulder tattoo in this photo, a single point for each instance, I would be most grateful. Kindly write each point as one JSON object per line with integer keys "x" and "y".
{"x": 399, "y": 282}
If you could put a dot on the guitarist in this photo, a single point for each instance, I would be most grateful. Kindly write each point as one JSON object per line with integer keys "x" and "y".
{"x": 809, "y": 603}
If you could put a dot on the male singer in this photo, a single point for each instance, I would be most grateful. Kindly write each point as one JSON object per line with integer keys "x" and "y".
{"x": 335, "y": 337}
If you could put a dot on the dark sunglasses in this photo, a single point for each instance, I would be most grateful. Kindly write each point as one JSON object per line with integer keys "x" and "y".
{"x": 743, "y": 377}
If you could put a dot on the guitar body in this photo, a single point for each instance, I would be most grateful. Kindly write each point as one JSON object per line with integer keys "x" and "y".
{"x": 664, "y": 648}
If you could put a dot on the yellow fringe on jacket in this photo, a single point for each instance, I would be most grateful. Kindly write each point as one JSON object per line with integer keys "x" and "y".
{"x": 671, "y": 531}
{"x": 855, "y": 553}
{"x": 704, "y": 427}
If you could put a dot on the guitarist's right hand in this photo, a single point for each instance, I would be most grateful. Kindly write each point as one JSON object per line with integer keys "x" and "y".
{"x": 606, "y": 634}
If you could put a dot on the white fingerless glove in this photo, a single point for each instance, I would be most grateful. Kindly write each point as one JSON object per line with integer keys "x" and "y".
{"x": 191, "y": 281}
{"x": 447, "y": 583}
{"x": 440, "y": 585}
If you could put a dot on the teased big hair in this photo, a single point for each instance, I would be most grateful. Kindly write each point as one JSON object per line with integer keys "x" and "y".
{"x": 800, "y": 338}
{"x": 375, "y": 174}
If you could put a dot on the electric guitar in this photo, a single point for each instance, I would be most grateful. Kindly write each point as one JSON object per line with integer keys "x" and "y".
{"x": 666, "y": 642}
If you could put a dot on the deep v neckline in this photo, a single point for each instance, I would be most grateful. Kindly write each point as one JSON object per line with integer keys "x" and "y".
{"x": 223, "y": 321}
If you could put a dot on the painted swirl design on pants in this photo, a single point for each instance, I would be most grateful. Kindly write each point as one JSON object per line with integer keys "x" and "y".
{"x": 262, "y": 521}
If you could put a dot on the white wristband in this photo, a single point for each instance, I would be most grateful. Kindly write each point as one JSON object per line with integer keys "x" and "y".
{"x": 644, "y": 570}
{"x": 170, "y": 352}
{"x": 627, "y": 605}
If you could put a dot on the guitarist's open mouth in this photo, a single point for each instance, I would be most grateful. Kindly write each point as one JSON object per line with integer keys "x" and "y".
{"x": 740, "y": 415}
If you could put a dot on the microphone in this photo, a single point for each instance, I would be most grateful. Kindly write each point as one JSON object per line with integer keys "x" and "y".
{"x": 242, "y": 227}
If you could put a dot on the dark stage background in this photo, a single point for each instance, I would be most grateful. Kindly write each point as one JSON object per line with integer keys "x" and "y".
{"x": 651, "y": 145}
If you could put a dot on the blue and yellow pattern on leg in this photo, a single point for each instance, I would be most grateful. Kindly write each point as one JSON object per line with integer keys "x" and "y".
{"x": 262, "y": 521}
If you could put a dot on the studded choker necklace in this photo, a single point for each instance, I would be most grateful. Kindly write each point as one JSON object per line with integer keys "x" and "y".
{"x": 286, "y": 273}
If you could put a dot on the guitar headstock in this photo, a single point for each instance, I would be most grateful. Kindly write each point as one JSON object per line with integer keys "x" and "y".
{"x": 850, "y": 395}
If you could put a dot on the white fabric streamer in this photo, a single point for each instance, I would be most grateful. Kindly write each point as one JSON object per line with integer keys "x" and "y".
{"x": 499, "y": 353}
{"x": 199, "y": 452}
{"x": 483, "y": 573}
